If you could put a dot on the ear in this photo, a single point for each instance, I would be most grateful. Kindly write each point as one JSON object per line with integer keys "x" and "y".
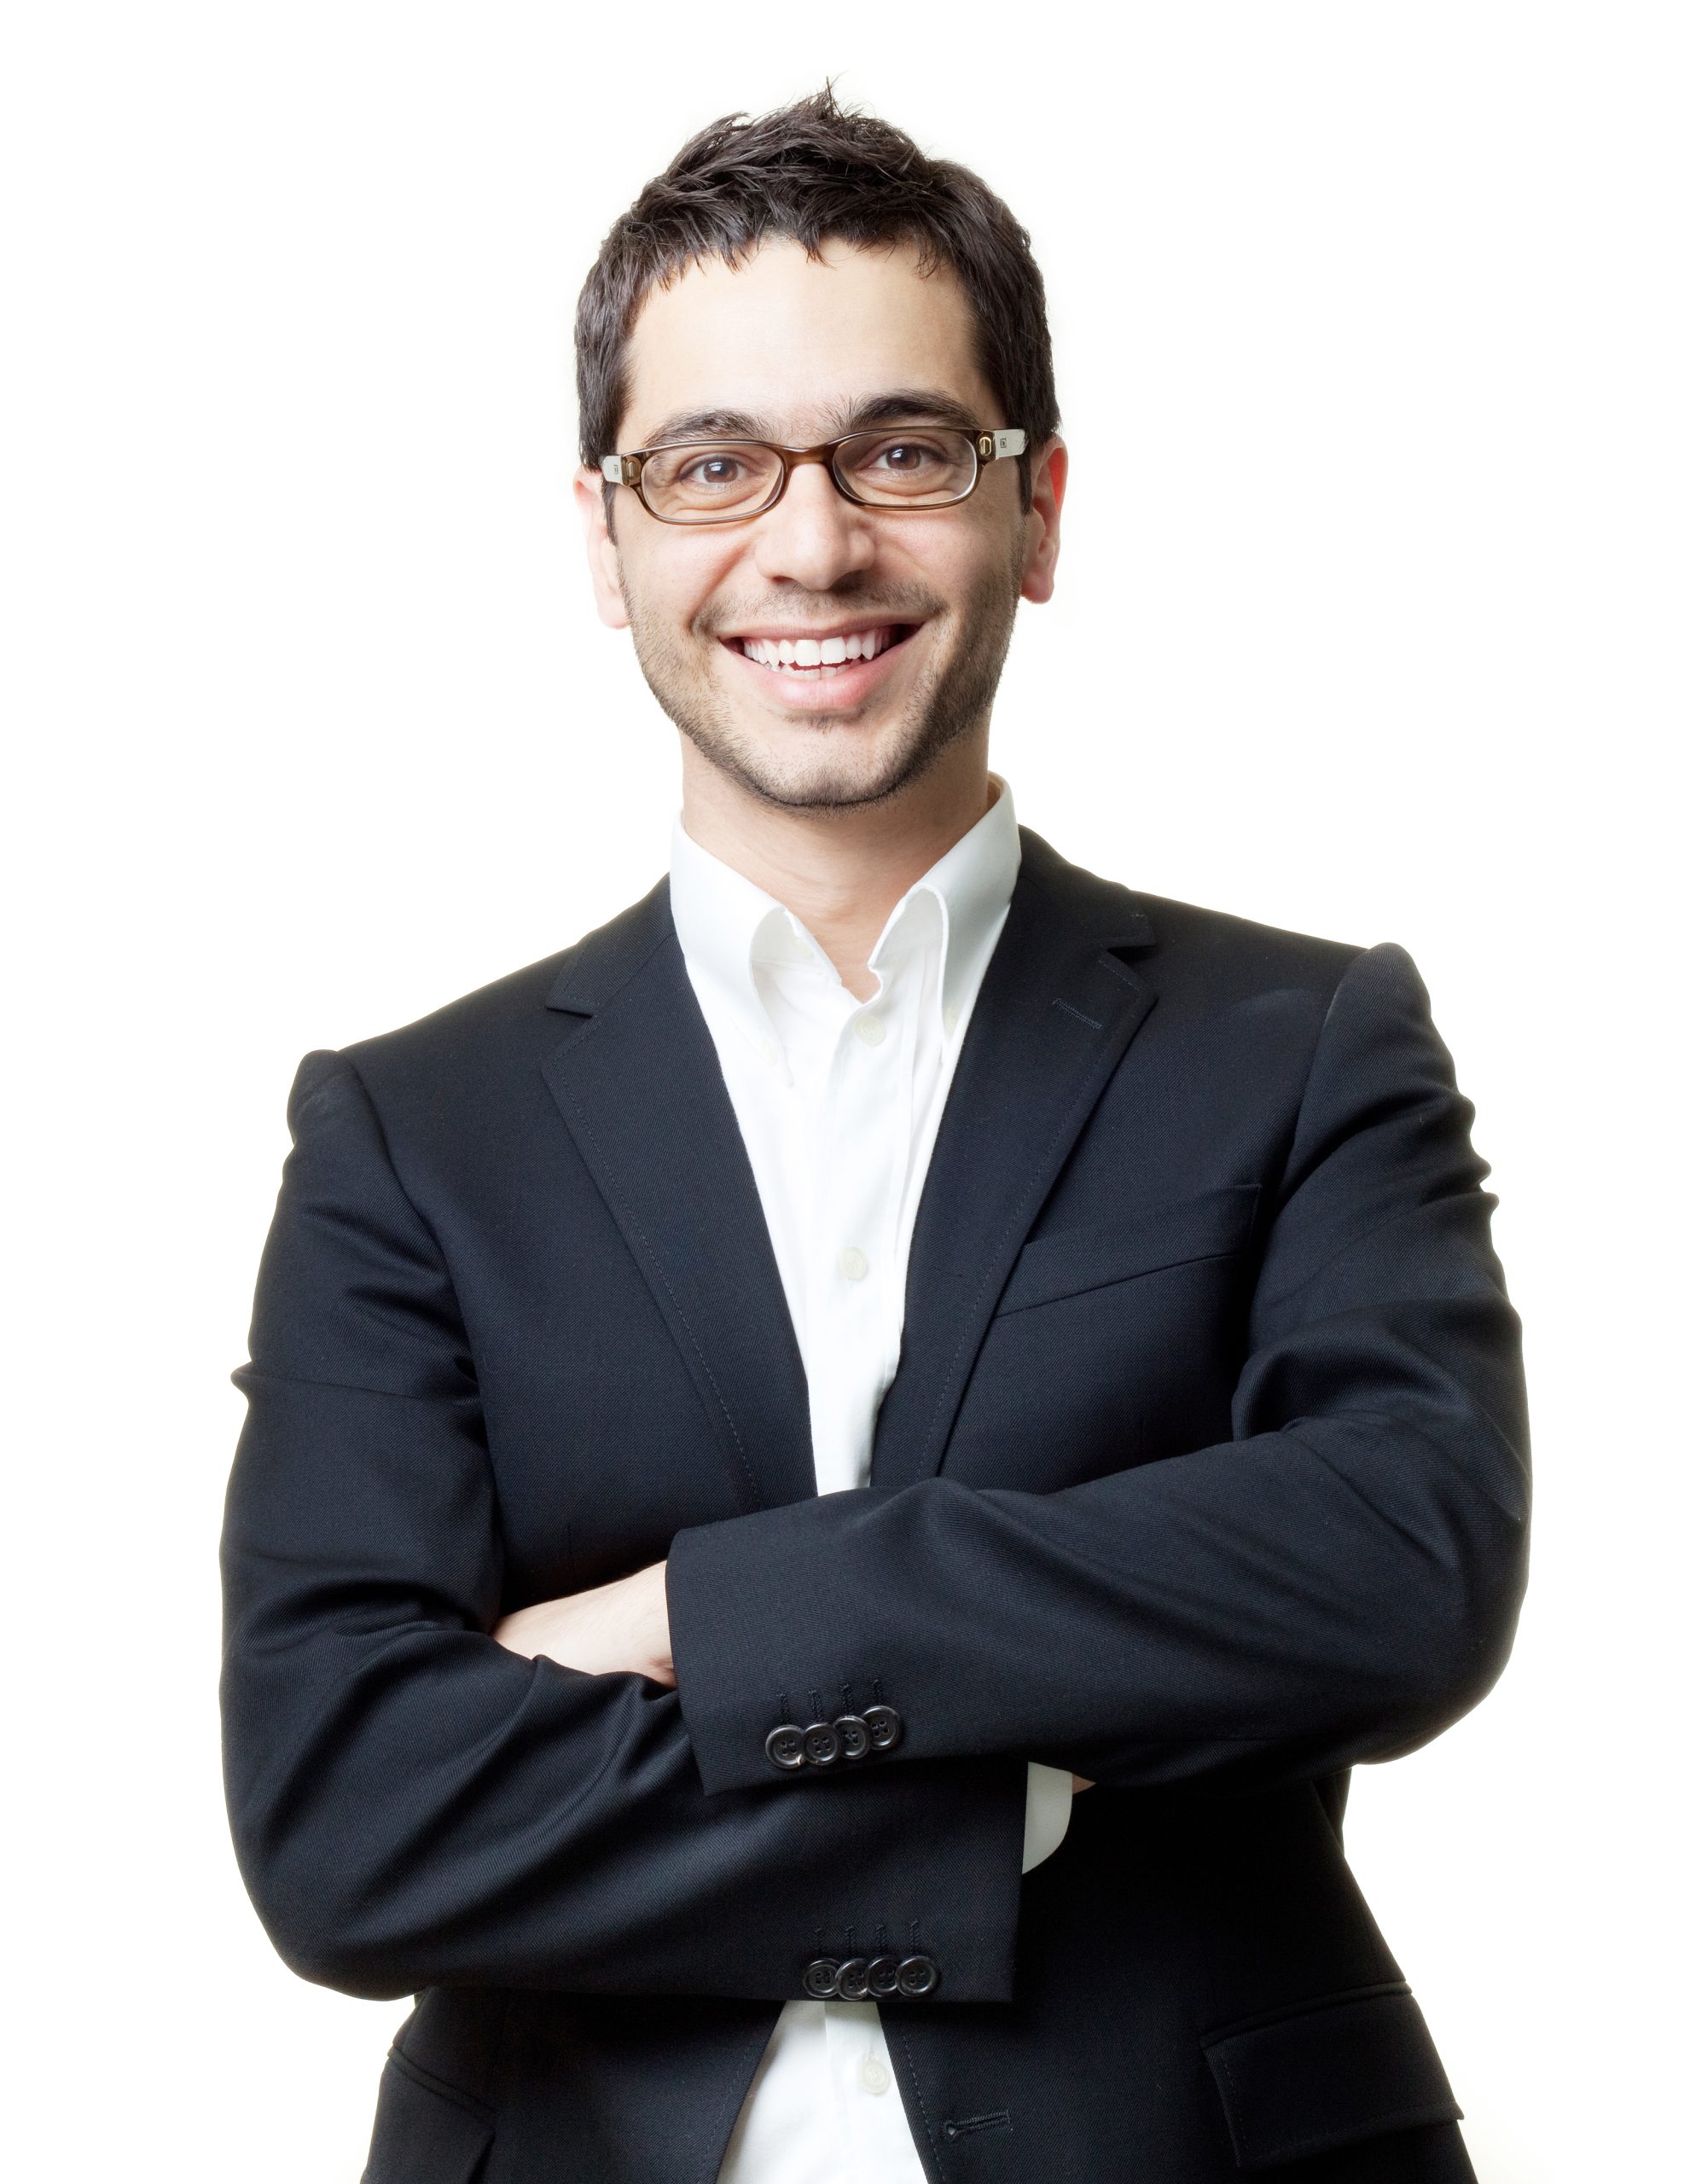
{"x": 602, "y": 559}
{"x": 1044, "y": 521}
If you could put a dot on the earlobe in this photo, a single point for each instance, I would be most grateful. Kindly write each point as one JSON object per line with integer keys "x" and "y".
{"x": 603, "y": 561}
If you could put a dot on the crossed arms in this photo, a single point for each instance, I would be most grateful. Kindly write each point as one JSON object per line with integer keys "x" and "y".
{"x": 416, "y": 1803}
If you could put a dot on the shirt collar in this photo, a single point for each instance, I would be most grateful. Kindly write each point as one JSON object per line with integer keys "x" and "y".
{"x": 727, "y": 924}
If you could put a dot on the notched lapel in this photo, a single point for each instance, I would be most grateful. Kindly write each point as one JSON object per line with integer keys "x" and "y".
{"x": 1056, "y": 1012}
{"x": 637, "y": 1079}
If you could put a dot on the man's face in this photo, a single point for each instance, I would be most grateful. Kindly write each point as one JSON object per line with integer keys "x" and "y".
{"x": 794, "y": 347}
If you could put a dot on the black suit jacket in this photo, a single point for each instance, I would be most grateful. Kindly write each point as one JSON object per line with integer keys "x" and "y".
{"x": 1203, "y": 1474}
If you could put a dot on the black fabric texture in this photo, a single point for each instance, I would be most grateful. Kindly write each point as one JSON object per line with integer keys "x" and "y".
{"x": 1204, "y": 1473}
{"x": 1309, "y": 2080}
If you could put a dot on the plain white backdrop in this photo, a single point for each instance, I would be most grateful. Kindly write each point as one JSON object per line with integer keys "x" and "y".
{"x": 1370, "y": 343}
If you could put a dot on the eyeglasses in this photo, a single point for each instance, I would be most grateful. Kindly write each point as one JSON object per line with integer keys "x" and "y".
{"x": 909, "y": 467}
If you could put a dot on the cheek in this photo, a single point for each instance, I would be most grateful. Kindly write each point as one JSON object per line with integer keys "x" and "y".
{"x": 684, "y": 592}
{"x": 974, "y": 558}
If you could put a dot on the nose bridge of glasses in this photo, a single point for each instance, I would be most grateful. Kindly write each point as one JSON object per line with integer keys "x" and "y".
{"x": 831, "y": 497}
{"x": 826, "y": 459}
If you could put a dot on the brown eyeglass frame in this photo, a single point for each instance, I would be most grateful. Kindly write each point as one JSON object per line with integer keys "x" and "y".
{"x": 989, "y": 447}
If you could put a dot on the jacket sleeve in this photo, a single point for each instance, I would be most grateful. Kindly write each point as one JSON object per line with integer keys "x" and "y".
{"x": 1336, "y": 1583}
{"x": 413, "y": 1805}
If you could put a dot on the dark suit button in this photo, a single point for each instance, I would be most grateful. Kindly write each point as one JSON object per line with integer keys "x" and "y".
{"x": 854, "y": 1980}
{"x": 853, "y": 1735}
{"x": 917, "y": 1975}
{"x": 821, "y": 1977}
{"x": 821, "y": 1744}
{"x": 785, "y": 1745}
{"x": 883, "y": 1976}
{"x": 886, "y": 1727}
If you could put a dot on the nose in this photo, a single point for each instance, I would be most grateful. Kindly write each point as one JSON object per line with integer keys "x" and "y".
{"x": 813, "y": 536}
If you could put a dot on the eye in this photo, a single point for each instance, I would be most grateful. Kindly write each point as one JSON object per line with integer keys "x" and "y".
{"x": 711, "y": 470}
{"x": 906, "y": 458}
{"x": 919, "y": 467}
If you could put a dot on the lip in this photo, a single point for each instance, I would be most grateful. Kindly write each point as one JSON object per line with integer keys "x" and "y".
{"x": 856, "y": 680}
{"x": 857, "y": 628}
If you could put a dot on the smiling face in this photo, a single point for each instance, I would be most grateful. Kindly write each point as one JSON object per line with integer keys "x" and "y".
{"x": 910, "y": 612}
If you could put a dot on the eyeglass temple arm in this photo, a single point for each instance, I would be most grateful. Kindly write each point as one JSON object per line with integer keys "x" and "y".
{"x": 624, "y": 469}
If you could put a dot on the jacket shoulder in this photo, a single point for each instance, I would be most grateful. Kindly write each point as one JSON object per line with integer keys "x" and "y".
{"x": 1186, "y": 943}
{"x": 505, "y": 1019}
{"x": 1193, "y": 936}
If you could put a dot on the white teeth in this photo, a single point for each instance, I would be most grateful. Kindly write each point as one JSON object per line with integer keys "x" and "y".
{"x": 811, "y": 655}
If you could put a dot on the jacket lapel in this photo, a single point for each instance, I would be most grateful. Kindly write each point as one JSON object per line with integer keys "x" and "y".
{"x": 1056, "y": 1011}
{"x": 637, "y": 1078}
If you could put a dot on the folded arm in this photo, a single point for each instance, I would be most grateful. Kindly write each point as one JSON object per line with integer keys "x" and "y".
{"x": 415, "y": 1804}
{"x": 1336, "y": 1583}
{"x": 623, "y": 1628}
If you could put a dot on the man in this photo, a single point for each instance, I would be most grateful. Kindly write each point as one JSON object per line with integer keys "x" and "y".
{"x": 836, "y": 1475}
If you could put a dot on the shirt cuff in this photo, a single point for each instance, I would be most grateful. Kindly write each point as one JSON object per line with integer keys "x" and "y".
{"x": 1050, "y": 1800}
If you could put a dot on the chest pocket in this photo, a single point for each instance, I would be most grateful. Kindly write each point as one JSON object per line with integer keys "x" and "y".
{"x": 1212, "y": 1224}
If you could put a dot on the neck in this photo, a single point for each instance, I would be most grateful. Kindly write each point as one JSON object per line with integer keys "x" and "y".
{"x": 840, "y": 869}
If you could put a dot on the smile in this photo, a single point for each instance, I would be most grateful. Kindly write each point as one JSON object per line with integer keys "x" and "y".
{"x": 819, "y": 659}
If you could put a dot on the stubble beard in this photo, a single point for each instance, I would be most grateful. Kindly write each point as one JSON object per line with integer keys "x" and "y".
{"x": 952, "y": 694}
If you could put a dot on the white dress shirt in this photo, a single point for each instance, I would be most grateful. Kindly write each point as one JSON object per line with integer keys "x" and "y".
{"x": 839, "y": 1102}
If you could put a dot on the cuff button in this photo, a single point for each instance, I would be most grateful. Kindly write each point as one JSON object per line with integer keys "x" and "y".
{"x": 853, "y": 1983}
{"x": 882, "y": 1977}
{"x": 917, "y": 1975}
{"x": 852, "y": 1732}
{"x": 785, "y": 1745}
{"x": 821, "y": 1744}
{"x": 822, "y": 1978}
{"x": 886, "y": 1727}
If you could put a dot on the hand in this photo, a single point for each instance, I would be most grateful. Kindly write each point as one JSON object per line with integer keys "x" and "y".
{"x": 621, "y": 1628}
{"x": 1078, "y": 1782}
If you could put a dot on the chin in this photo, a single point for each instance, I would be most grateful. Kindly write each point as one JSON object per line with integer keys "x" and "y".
{"x": 814, "y": 782}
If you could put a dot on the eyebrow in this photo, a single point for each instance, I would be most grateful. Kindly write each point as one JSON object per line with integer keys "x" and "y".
{"x": 897, "y": 405}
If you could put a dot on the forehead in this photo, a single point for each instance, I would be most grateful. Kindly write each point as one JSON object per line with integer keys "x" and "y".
{"x": 793, "y": 340}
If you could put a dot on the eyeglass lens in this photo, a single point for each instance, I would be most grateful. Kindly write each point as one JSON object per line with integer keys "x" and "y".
{"x": 911, "y": 468}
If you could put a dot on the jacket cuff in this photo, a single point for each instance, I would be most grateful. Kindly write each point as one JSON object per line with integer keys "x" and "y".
{"x": 749, "y": 1616}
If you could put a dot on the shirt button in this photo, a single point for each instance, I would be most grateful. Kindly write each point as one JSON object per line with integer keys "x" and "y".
{"x": 852, "y": 1263}
{"x": 871, "y": 1029}
{"x": 767, "y": 1049}
{"x": 875, "y": 2076}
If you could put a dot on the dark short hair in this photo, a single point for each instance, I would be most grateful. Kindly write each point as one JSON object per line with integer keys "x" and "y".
{"x": 811, "y": 173}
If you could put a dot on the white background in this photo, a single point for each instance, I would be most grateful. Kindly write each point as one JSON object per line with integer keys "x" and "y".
{"x": 1371, "y": 344}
